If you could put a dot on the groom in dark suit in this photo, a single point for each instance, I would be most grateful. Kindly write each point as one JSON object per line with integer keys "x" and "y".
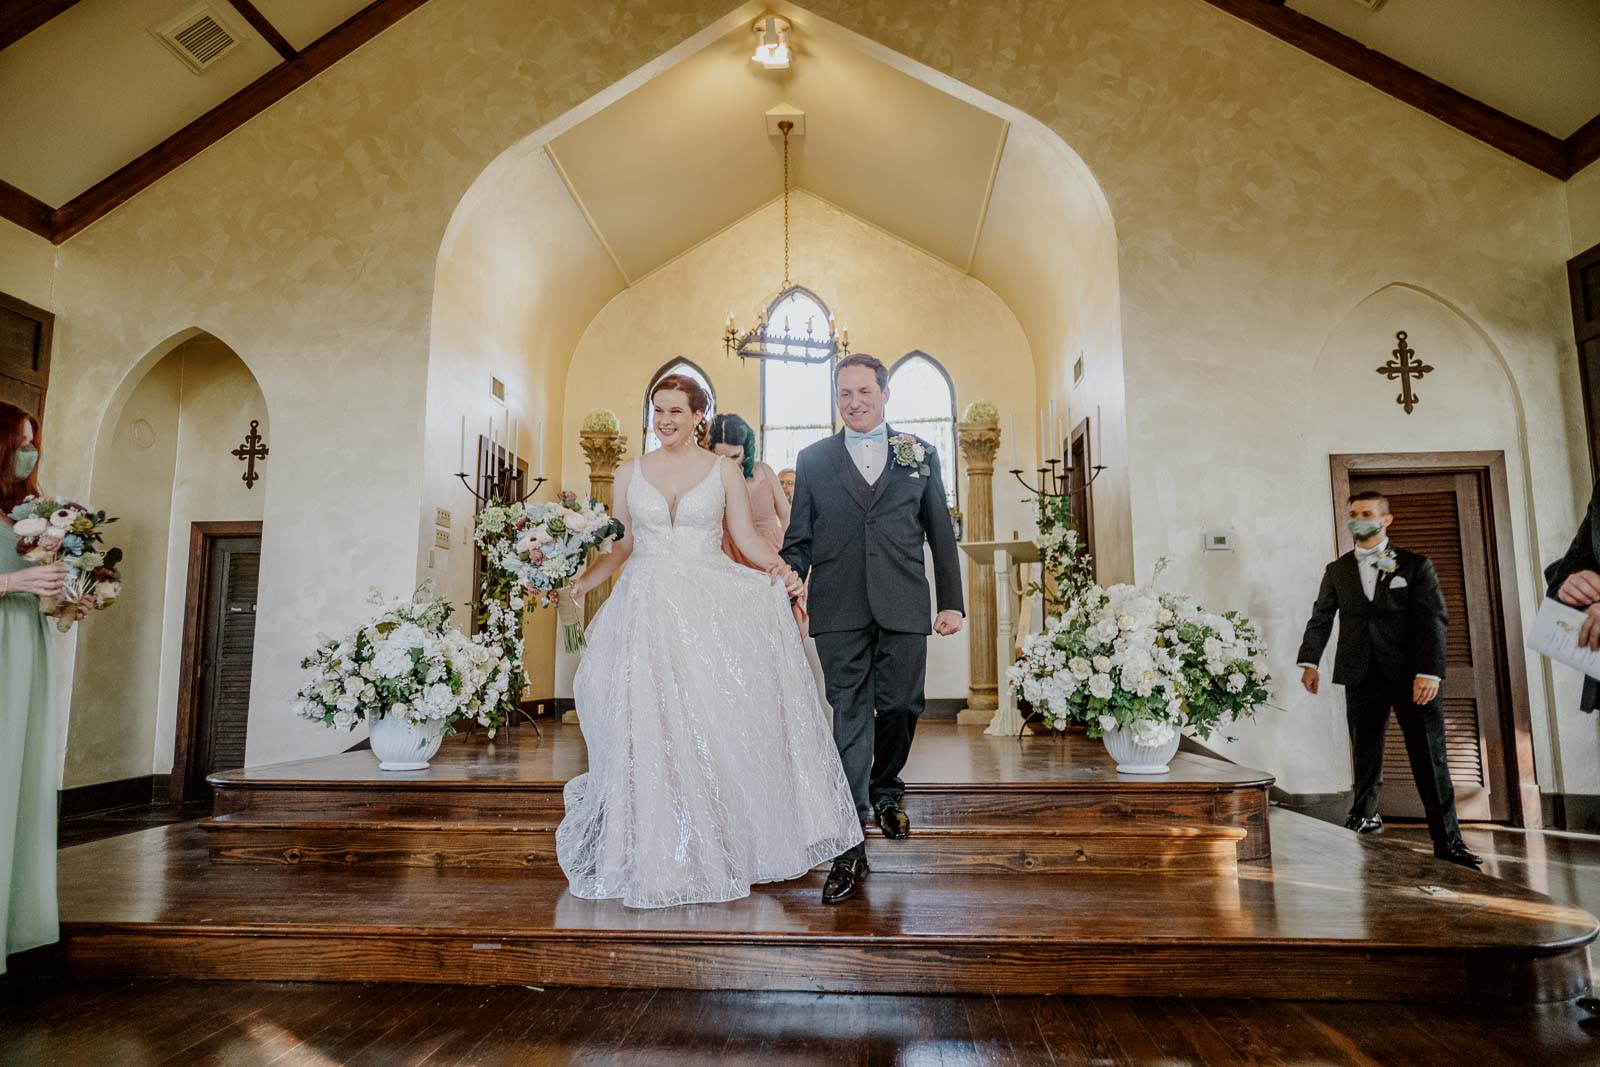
{"x": 865, "y": 500}
{"x": 1392, "y": 623}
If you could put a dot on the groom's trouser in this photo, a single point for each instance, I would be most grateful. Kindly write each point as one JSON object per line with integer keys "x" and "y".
{"x": 867, "y": 671}
{"x": 1367, "y": 708}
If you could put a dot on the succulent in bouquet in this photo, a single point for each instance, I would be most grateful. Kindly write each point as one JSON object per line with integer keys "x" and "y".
{"x": 57, "y": 530}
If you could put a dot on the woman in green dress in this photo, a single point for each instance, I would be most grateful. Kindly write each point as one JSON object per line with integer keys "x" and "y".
{"x": 28, "y": 760}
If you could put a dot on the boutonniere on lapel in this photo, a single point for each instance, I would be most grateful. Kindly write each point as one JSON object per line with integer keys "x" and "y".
{"x": 908, "y": 452}
{"x": 1386, "y": 561}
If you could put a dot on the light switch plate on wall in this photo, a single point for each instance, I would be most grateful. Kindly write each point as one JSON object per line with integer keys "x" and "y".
{"x": 1218, "y": 541}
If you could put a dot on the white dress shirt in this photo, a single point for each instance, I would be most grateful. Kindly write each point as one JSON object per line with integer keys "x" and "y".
{"x": 871, "y": 457}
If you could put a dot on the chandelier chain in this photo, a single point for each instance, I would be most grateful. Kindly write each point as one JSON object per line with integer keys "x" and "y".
{"x": 786, "y": 127}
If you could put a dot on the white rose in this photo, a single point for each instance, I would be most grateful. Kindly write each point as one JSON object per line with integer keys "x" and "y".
{"x": 1152, "y": 733}
{"x": 1235, "y": 682}
{"x": 1080, "y": 667}
{"x": 1102, "y": 664}
{"x": 345, "y": 720}
{"x": 1100, "y": 685}
{"x": 1108, "y": 723}
{"x": 32, "y": 526}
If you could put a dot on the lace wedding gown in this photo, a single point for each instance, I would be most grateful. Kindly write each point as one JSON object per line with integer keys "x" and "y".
{"x": 712, "y": 764}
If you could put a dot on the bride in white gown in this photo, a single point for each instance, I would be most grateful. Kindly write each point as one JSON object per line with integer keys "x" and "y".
{"x": 712, "y": 764}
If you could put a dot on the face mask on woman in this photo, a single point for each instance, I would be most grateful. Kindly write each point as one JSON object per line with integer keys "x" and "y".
{"x": 27, "y": 458}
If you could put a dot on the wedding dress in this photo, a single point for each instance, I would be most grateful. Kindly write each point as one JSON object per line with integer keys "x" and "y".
{"x": 712, "y": 764}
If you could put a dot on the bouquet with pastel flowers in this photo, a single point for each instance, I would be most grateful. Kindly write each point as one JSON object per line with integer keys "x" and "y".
{"x": 544, "y": 546}
{"x": 57, "y": 530}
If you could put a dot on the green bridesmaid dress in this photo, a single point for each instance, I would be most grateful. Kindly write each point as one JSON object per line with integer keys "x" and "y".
{"x": 27, "y": 768}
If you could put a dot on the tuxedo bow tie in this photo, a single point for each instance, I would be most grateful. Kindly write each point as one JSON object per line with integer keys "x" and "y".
{"x": 1368, "y": 553}
{"x": 880, "y": 435}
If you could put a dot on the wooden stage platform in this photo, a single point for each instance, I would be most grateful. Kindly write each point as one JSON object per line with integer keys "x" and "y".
{"x": 1033, "y": 867}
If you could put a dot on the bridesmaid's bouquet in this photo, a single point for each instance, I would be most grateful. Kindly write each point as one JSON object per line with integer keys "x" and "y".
{"x": 544, "y": 546}
{"x": 56, "y": 530}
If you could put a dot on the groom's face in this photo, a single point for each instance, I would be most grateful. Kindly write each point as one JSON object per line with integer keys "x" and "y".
{"x": 860, "y": 400}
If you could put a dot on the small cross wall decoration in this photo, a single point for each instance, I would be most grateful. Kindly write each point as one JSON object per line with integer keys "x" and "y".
{"x": 1404, "y": 367}
{"x": 249, "y": 452}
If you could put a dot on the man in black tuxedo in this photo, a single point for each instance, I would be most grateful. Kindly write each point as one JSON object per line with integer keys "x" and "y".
{"x": 1575, "y": 581}
{"x": 1390, "y": 656}
{"x": 865, "y": 500}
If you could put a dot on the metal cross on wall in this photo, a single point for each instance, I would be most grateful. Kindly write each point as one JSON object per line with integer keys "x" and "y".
{"x": 249, "y": 452}
{"x": 1402, "y": 366}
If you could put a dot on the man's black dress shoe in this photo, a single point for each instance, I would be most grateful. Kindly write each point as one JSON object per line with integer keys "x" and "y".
{"x": 844, "y": 880}
{"x": 1455, "y": 850}
{"x": 892, "y": 820}
{"x": 1364, "y": 824}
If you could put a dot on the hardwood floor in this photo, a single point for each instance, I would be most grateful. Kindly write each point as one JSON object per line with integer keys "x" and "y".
{"x": 133, "y": 1024}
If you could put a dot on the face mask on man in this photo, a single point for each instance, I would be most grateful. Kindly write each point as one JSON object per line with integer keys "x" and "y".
{"x": 27, "y": 458}
{"x": 1361, "y": 529}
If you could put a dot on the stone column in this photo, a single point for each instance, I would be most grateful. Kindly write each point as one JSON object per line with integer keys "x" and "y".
{"x": 604, "y": 449}
{"x": 979, "y": 443}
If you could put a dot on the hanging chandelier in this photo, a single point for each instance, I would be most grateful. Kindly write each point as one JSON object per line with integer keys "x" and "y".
{"x": 793, "y": 342}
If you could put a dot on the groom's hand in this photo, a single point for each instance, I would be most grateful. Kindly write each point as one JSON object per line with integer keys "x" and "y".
{"x": 947, "y": 623}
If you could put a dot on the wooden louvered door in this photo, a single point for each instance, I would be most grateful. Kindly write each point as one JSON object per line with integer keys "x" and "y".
{"x": 227, "y": 633}
{"x": 1443, "y": 517}
{"x": 24, "y": 354}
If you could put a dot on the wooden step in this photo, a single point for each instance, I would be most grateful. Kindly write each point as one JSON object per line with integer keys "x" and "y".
{"x": 1335, "y": 916}
{"x": 331, "y": 839}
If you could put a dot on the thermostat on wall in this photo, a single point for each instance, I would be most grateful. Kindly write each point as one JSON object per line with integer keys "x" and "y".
{"x": 1219, "y": 542}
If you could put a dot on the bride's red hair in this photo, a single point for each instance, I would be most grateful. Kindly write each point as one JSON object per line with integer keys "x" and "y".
{"x": 14, "y": 490}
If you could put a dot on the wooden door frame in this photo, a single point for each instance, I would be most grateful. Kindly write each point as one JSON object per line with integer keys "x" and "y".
{"x": 201, "y": 535}
{"x": 47, "y": 326}
{"x": 1526, "y": 808}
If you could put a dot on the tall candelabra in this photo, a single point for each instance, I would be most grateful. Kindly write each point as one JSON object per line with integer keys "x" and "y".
{"x": 1055, "y": 479}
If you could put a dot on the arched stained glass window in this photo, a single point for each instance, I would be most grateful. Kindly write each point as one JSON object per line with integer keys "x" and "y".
{"x": 922, "y": 401}
{"x": 687, "y": 369}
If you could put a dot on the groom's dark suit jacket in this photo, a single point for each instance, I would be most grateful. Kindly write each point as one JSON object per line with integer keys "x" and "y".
{"x": 1583, "y": 555}
{"x": 861, "y": 544}
{"x": 1402, "y": 628}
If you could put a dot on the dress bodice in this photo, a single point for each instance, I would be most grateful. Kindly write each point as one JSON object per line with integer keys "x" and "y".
{"x": 696, "y": 529}
{"x": 9, "y": 560}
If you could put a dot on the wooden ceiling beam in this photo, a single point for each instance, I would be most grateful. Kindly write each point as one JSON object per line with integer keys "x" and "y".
{"x": 228, "y": 116}
{"x": 1583, "y": 147}
{"x": 1493, "y": 127}
{"x": 262, "y": 25}
{"x": 18, "y": 18}
{"x": 26, "y": 210}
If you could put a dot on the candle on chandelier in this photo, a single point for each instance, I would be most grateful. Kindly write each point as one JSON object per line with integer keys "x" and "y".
{"x": 845, "y": 336}
{"x": 1014, "y": 441}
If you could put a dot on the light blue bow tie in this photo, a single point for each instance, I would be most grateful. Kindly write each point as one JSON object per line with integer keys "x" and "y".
{"x": 880, "y": 435}
{"x": 1368, "y": 553}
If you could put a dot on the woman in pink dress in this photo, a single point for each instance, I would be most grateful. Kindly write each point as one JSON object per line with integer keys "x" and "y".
{"x": 732, "y": 437}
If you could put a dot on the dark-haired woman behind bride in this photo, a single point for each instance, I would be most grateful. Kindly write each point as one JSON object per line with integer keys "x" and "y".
{"x": 712, "y": 765}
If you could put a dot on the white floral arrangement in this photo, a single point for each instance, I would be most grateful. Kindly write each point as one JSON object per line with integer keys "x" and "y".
{"x": 407, "y": 662}
{"x": 544, "y": 546}
{"x": 1148, "y": 662}
{"x": 601, "y": 421}
{"x": 981, "y": 411}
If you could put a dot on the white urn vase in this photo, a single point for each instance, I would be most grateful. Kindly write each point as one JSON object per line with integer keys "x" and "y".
{"x": 1134, "y": 758}
{"x": 403, "y": 745}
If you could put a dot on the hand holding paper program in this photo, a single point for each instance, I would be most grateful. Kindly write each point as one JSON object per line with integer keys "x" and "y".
{"x": 1568, "y": 636}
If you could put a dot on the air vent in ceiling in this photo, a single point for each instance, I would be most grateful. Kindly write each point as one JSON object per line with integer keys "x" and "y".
{"x": 198, "y": 36}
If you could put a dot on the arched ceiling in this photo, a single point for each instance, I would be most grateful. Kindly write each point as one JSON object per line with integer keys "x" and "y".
{"x": 689, "y": 153}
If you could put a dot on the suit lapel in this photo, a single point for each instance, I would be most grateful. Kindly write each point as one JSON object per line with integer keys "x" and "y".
{"x": 849, "y": 476}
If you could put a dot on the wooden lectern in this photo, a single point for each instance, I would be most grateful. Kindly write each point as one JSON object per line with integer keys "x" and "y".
{"x": 1008, "y": 586}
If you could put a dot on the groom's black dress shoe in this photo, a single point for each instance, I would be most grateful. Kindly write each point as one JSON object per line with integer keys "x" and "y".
{"x": 1455, "y": 850}
{"x": 892, "y": 820}
{"x": 1369, "y": 824}
{"x": 844, "y": 881}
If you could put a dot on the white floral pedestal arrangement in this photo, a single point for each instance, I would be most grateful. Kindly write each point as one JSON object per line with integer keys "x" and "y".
{"x": 1139, "y": 667}
{"x": 409, "y": 675}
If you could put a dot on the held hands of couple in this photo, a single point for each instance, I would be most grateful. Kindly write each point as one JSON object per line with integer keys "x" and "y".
{"x": 782, "y": 572}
